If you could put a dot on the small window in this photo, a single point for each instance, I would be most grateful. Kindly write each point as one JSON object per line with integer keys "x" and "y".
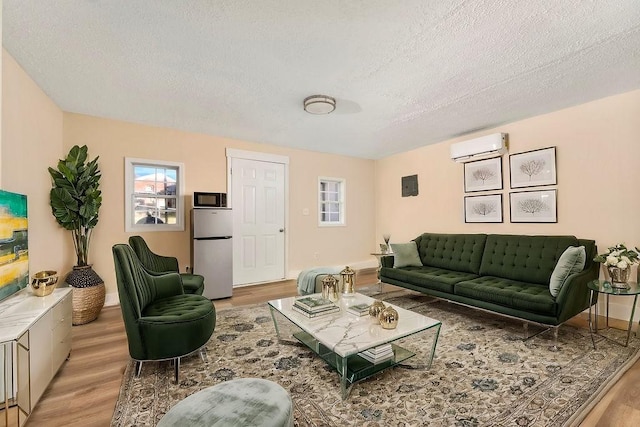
{"x": 153, "y": 195}
{"x": 331, "y": 201}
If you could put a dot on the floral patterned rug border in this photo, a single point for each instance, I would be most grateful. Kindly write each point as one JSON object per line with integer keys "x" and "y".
{"x": 483, "y": 374}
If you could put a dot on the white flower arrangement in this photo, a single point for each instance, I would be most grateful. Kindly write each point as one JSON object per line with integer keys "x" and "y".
{"x": 618, "y": 256}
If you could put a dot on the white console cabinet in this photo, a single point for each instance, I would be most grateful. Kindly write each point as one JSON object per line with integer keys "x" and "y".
{"x": 35, "y": 333}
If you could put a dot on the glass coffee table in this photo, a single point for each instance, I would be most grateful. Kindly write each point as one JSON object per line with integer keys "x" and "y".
{"x": 338, "y": 337}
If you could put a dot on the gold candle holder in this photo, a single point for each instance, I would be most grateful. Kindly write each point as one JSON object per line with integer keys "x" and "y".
{"x": 348, "y": 282}
{"x": 330, "y": 288}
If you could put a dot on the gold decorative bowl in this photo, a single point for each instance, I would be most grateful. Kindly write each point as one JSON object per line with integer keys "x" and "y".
{"x": 44, "y": 282}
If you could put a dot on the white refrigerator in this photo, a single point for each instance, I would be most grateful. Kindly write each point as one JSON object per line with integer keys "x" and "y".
{"x": 212, "y": 250}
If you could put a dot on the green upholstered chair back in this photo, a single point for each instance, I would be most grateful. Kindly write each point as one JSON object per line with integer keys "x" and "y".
{"x": 459, "y": 252}
{"x": 151, "y": 261}
{"x": 135, "y": 294}
{"x": 591, "y": 251}
{"x": 524, "y": 258}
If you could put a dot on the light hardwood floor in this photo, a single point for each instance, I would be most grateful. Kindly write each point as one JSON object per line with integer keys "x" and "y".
{"x": 85, "y": 390}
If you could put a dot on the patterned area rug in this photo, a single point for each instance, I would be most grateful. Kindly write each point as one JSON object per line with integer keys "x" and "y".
{"x": 484, "y": 373}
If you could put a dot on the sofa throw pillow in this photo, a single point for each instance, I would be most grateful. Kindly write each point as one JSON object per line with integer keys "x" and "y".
{"x": 405, "y": 255}
{"x": 571, "y": 261}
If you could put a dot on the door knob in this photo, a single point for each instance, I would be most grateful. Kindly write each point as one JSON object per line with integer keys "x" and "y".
{"x": 282, "y": 230}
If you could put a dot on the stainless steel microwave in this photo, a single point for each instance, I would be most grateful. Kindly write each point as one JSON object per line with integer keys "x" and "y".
{"x": 209, "y": 200}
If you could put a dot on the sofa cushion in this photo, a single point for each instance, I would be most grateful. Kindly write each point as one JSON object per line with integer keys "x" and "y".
{"x": 405, "y": 255}
{"x": 529, "y": 259}
{"x": 427, "y": 277}
{"x": 458, "y": 252}
{"x": 571, "y": 261}
{"x": 509, "y": 293}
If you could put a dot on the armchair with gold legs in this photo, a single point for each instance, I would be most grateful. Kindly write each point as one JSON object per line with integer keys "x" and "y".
{"x": 161, "y": 321}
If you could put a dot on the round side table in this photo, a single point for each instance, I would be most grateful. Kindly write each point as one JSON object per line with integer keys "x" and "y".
{"x": 604, "y": 287}
{"x": 379, "y": 256}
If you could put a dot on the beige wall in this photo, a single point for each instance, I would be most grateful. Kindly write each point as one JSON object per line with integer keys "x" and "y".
{"x": 31, "y": 142}
{"x": 598, "y": 152}
{"x": 205, "y": 166}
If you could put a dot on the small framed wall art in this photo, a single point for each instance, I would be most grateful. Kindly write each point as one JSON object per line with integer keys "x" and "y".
{"x": 483, "y": 175}
{"x": 533, "y": 168}
{"x": 409, "y": 185}
{"x": 483, "y": 208}
{"x": 533, "y": 206}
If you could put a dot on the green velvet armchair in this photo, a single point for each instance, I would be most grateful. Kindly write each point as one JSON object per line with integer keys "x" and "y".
{"x": 154, "y": 263}
{"x": 161, "y": 321}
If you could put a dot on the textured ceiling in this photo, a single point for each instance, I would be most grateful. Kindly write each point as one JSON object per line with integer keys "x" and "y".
{"x": 404, "y": 73}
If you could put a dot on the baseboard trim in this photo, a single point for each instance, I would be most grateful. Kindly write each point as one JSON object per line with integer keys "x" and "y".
{"x": 111, "y": 299}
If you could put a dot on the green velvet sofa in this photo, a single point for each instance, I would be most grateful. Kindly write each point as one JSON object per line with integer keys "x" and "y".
{"x": 506, "y": 274}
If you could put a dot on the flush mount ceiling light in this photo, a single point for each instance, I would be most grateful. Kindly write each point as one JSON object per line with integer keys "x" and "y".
{"x": 319, "y": 104}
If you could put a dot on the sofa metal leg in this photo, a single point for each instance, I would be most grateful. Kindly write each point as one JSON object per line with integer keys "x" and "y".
{"x": 176, "y": 367}
{"x": 203, "y": 354}
{"x": 554, "y": 346}
{"x": 525, "y": 326}
{"x": 138, "y": 368}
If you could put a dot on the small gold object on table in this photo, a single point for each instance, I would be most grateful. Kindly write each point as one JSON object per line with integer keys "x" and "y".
{"x": 348, "y": 282}
{"x": 376, "y": 307}
{"x": 330, "y": 288}
{"x": 44, "y": 282}
{"x": 388, "y": 318}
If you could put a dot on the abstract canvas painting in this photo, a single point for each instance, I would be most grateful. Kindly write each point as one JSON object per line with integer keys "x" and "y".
{"x": 14, "y": 251}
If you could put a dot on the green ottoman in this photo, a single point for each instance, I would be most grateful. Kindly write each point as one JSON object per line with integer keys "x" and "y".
{"x": 243, "y": 402}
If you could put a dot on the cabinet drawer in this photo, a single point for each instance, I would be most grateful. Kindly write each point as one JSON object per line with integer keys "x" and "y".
{"x": 62, "y": 311}
{"x": 60, "y": 350}
{"x": 60, "y": 332}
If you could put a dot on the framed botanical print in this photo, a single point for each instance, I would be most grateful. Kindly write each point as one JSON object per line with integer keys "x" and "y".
{"x": 483, "y": 175}
{"x": 533, "y": 168}
{"x": 533, "y": 206}
{"x": 483, "y": 208}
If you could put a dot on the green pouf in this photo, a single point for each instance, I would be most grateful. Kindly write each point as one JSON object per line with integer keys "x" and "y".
{"x": 243, "y": 402}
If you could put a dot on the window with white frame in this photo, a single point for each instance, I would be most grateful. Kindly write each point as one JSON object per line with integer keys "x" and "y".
{"x": 331, "y": 201}
{"x": 153, "y": 195}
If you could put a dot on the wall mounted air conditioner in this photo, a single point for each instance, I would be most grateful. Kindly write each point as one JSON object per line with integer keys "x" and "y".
{"x": 479, "y": 148}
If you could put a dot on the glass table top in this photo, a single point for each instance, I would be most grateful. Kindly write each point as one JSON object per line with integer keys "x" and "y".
{"x": 605, "y": 287}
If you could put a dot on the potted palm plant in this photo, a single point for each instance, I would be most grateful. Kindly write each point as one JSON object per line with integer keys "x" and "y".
{"x": 75, "y": 200}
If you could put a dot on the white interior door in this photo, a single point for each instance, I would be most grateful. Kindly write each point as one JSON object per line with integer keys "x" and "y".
{"x": 258, "y": 201}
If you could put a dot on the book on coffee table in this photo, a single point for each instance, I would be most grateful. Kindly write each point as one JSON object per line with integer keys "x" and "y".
{"x": 384, "y": 348}
{"x": 359, "y": 309}
{"x": 378, "y": 354}
{"x": 316, "y": 313}
{"x": 314, "y": 303}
